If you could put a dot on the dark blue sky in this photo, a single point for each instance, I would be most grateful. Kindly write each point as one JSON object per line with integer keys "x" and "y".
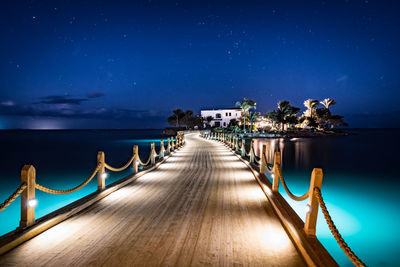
{"x": 127, "y": 64}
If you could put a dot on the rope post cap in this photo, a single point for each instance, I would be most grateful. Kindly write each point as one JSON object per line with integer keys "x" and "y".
{"x": 100, "y": 156}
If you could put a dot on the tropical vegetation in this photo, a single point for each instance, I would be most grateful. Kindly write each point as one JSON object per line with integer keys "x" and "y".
{"x": 317, "y": 116}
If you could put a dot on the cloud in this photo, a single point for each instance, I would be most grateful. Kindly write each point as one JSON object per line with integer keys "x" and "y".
{"x": 57, "y": 99}
{"x": 95, "y": 95}
{"x": 64, "y": 109}
{"x": 342, "y": 78}
{"x": 8, "y": 103}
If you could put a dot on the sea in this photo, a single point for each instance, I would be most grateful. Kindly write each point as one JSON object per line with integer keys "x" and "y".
{"x": 361, "y": 181}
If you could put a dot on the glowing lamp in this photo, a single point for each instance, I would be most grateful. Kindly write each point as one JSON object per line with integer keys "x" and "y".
{"x": 308, "y": 208}
{"x": 137, "y": 162}
{"x": 272, "y": 175}
{"x": 32, "y": 202}
{"x": 104, "y": 175}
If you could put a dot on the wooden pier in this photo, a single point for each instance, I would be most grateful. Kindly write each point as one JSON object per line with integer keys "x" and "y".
{"x": 203, "y": 206}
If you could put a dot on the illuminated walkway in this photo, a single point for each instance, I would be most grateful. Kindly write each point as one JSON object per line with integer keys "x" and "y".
{"x": 201, "y": 207}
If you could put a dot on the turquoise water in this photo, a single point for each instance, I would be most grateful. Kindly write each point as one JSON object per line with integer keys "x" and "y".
{"x": 360, "y": 187}
{"x": 63, "y": 159}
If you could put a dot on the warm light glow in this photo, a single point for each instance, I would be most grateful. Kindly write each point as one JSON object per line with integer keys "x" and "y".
{"x": 272, "y": 176}
{"x": 32, "y": 202}
{"x": 104, "y": 175}
{"x": 308, "y": 208}
{"x": 274, "y": 237}
{"x": 137, "y": 162}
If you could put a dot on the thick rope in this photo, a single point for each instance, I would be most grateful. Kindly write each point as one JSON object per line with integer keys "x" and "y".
{"x": 292, "y": 196}
{"x": 122, "y": 168}
{"x": 335, "y": 232}
{"x": 13, "y": 196}
{"x": 63, "y": 192}
{"x": 145, "y": 163}
{"x": 266, "y": 164}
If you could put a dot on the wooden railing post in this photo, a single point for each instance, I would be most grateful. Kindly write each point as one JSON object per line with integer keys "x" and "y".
{"x": 237, "y": 145}
{"x": 169, "y": 146}
{"x": 251, "y": 151}
{"x": 28, "y": 201}
{"x": 243, "y": 148}
{"x": 263, "y": 163}
{"x": 277, "y": 164}
{"x": 135, "y": 163}
{"x": 162, "y": 149}
{"x": 152, "y": 154}
{"x": 172, "y": 144}
{"x": 311, "y": 217}
{"x": 101, "y": 176}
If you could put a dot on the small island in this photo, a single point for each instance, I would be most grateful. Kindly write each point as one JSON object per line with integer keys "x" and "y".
{"x": 286, "y": 121}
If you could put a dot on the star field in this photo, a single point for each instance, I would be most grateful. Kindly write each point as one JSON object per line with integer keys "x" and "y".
{"x": 144, "y": 58}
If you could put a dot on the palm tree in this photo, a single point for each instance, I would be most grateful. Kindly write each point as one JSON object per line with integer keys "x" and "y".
{"x": 209, "y": 120}
{"x": 178, "y": 114}
{"x": 246, "y": 104}
{"x": 286, "y": 113}
{"x": 252, "y": 118}
{"x": 273, "y": 117}
{"x": 188, "y": 119}
{"x": 310, "y": 104}
{"x": 328, "y": 102}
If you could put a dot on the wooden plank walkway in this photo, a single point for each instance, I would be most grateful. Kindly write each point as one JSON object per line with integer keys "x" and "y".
{"x": 202, "y": 207}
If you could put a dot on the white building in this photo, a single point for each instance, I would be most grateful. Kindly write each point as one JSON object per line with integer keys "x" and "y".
{"x": 221, "y": 117}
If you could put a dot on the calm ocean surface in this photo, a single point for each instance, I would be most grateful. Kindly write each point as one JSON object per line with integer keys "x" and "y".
{"x": 361, "y": 182}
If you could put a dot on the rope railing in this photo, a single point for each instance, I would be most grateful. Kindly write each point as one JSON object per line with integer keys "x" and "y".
{"x": 68, "y": 191}
{"x": 264, "y": 159}
{"x": 290, "y": 194}
{"x": 335, "y": 232}
{"x": 313, "y": 195}
{"x": 121, "y": 168}
{"x": 12, "y": 197}
{"x": 144, "y": 163}
{"x": 29, "y": 185}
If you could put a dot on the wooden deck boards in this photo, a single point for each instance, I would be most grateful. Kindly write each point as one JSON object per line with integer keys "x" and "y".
{"x": 202, "y": 207}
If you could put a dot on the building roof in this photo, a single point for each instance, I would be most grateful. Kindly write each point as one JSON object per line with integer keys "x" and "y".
{"x": 221, "y": 109}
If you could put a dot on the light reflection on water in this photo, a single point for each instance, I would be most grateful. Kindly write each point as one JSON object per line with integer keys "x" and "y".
{"x": 63, "y": 159}
{"x": 360, "y": 188}
{"x": 360, "y": 184}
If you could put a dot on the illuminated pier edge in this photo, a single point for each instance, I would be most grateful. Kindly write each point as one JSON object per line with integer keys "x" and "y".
{"x": 301, "y": 232}
{"x": 29, "y": 227}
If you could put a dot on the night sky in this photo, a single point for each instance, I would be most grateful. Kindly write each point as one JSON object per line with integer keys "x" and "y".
{"x": 115, "y": 64}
